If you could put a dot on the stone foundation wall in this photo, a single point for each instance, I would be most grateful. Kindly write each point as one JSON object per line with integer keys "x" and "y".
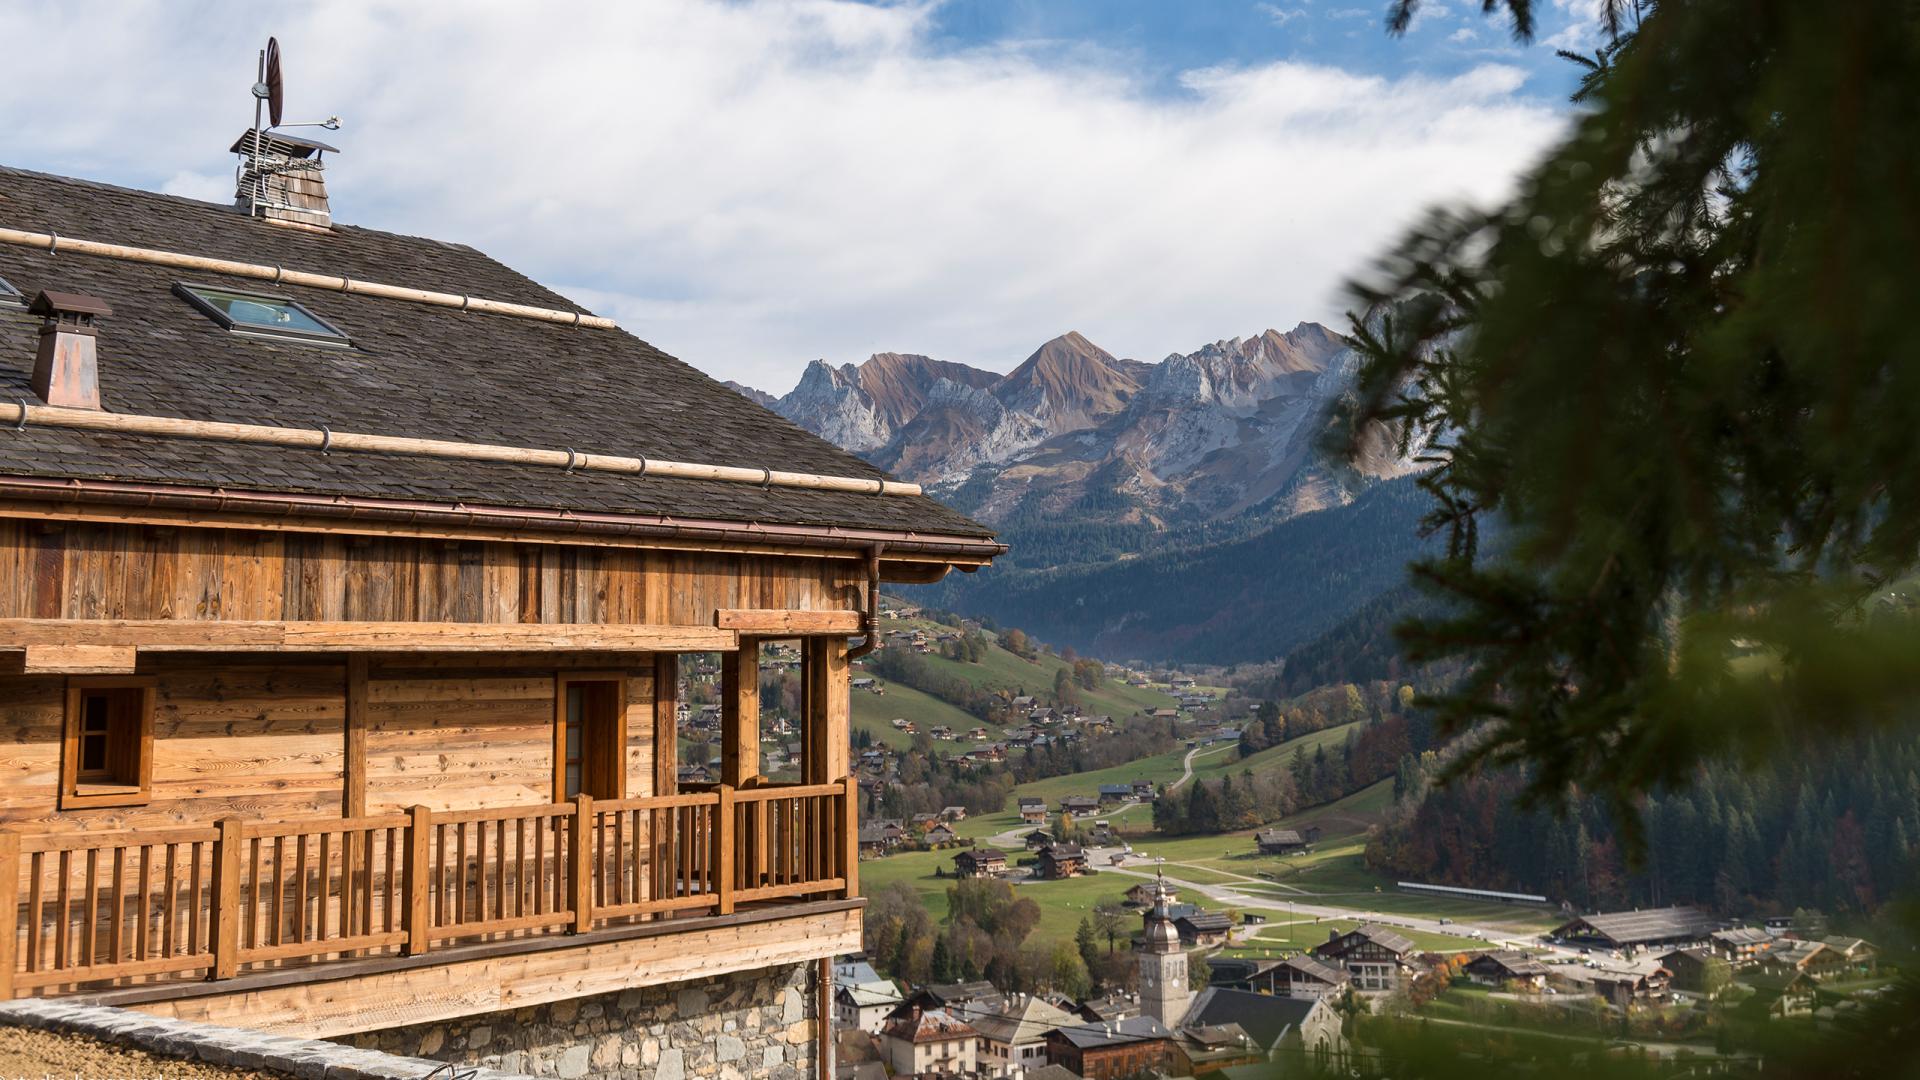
{"x": 752, "y": 1024}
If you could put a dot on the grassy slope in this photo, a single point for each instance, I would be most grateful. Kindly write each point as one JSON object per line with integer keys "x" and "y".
{"x": 1002, "y": 670}
{"x": 874, "y": 713}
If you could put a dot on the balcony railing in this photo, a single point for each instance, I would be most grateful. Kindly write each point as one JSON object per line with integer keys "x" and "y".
{"x": 240, "y": 896}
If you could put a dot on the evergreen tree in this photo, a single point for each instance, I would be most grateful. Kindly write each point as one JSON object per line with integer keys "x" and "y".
{"x": 1088, "y": 944}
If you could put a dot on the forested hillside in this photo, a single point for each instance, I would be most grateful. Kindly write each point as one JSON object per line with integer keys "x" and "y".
{"x": 1834, "y": 825}
{"x": 1247, "y": 599}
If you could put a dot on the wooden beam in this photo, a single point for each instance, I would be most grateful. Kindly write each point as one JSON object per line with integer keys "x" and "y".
{"x": 440, "y": 987}
{"x": 774, "y": 622}
{"x": 666, "y": 726}
{"x": 740, "y": 714}
{"x": 189, "y": 635}
{"x": 353, "y": 768}
{"x": 65, "y": 659}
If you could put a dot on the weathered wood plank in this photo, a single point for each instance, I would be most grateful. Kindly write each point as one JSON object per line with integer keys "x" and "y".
{"x": 171, "y": 635}
{"x": 772, "y": 622}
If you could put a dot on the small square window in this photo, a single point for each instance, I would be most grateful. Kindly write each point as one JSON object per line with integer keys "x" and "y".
{"x": 107, "y": 759}
{"x": 262, "y": 315}
{"x": 10, "y": 296}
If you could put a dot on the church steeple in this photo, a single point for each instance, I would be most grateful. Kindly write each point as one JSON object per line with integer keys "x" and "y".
{"x": 1164, "y": 993}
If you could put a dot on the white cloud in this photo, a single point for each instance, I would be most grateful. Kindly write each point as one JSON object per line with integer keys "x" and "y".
{"x": 1281, "y": 16}
{"x": 1464, "y": 35}
{"x": 751, "y": 185}
{"x": 1350, "y": 13}
{"x": 1583, "y": 25}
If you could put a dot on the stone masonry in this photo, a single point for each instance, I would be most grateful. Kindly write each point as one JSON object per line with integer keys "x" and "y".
{"x": 753, "y": 1024}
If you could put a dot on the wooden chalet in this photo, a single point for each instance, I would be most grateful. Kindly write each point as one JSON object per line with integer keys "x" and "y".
{"x": 1507, "y": 969}
{"x": 1059, "y": 861}
{"x": 345, "y": 578}
{"x": 1117, "y": 1050}
{"x": 1374, "y": 956}
{"x": 980, "y": 862}
{"x": 1639, "y": 929}
{"x": 1279, "y": 841}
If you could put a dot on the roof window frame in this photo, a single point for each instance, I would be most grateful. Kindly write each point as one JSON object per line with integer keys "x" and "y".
{"x": 333, "y": 338}
{"x": 10, "y": 295}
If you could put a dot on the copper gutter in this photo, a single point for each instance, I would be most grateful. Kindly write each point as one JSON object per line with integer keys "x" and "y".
{"x": 411, "y": 512}
{"x": 871, "y": 617}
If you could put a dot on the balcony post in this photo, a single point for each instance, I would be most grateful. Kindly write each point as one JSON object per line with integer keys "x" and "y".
{"x": 419, "y": 924}
{"x": 849, "y": 853}
{"x": 10, "y": 904}
{"x": 724, "y": 845}
{"x": 580, "y": 872}
{"x": 226, "y": 899}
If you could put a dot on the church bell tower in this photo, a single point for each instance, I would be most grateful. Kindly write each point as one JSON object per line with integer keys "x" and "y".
{"x": 1164, "y": 993}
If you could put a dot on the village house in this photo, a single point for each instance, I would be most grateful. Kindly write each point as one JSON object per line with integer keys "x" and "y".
{"x": 1300, "y": 976}
{"x": 1621, "y": 985}
{"x": 1204, "y": 928}
{"x": 1033, "y": 811}
{"x": 1115, "y": 793}
{"x": 1143, "y": 790}
{"x": 1117, "y": 1050}
{"x": 1101, "y": 834}
{"x": 1698, "y": 971}
{"x": 862, "y": 1000}
{"x": 1013, "y": 1032}
{"x": 931, "y": 1041}
{"x": 1814, "y": 958}
{"x": 1375, "y": 956}
{"x": 1293, "y": 1030}
{"x": 1061, "y": 861}
{"x": 1782, "y": 992}
{"x": 1280, "y": 841}
{"x": 1741, "y": 945}
{"x": 345, "y": 581}
{"x": 953, "y": 813}
{"x": 1631, "y": 930}
{"x": 939, "y": 835}
{"x": 980, "y": 862}
{"x": 1079, "y": 806}
{"x": 881, "y": 837}
{"x": 1507, "y": 969}
{"x": 1856, "y": 956}
{"x": 1037, "y": 839}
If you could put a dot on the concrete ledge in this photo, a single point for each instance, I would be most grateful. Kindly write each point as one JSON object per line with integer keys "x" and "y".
{"x": 308, "y": 1059}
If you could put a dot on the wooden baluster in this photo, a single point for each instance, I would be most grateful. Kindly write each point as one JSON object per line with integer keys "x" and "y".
{"x": 500, "y": 869}
{"x": 35, "y": 908}
{"x": 193, "y": 901}
{"x": 253, "y": 894}
{"x": 170, "y": 909}
{"x": 480, "y": 870}
{"x": 460, "y": 870}
{"x": 119, "y": 904}
{"x": 90, "y": 918}
{"x": 366, "y": 881}
{"x": 580, "y": 875}
{"x": 420, "y": 829}
{"x": 301, "y": 923}
{"x": 723, "y": 842}
{"x": 519, "y": 867}
{"x": 225, "y": 930}
{"x": 638, "y": 886}
{"x": 440, "y": 876}
{"x": 393, "y": 877}
{"x": 278, "y": 877}
{"x": 848, "y": 861}
{"x": 62, "y": 933}
{"x": 322, "y": 914}
{"x": 9, "y": 900}
{"x": 540, "y": 875}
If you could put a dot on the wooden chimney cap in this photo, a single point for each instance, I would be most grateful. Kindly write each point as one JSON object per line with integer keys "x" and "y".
{"x": 51, "y": 303}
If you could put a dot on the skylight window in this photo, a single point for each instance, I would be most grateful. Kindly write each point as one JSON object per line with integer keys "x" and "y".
{"x": 262, "y": 315}
{"x": 10, "y": 296}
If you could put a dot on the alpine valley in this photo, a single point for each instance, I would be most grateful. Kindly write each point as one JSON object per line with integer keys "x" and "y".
{"x": 1174, "y": 510}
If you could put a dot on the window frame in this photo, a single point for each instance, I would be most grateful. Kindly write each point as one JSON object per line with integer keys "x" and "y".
{"x": 611, "y": 740}
{"x": 334, "y": 338}
{"x": 78, "y": 791}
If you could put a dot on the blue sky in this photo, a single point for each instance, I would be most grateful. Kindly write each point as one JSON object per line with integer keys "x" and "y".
{"x": 752, "y": 184}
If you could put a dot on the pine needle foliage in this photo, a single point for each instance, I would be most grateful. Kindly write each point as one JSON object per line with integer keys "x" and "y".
{"x": 1680, "y": 368}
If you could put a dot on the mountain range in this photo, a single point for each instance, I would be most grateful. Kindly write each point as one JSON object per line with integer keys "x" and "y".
{"x": 1101, "y": 469}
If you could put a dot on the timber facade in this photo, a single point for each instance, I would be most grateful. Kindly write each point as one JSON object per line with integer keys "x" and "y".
{"x": 376, "y": 745}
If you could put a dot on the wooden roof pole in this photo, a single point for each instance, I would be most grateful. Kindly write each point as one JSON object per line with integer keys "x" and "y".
{"x": 281, "y": 275}
{"x": 326, "y": 440}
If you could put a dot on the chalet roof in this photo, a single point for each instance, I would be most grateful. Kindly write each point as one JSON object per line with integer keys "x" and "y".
{"x": 1512, "y": 961}
{"x": 983, "y": 854}
{"x": 1021, "y": 1018}
{"x": 1207, "y": 921}
{"x": 1063, "y": 851}
{"x": 928, "y": 1025}
{"x": 1379, "y": 935}
{"x": 1310, "y": 967}
{"x": 1742, "y": 935}
{"x": 1133, "y": 1029}
{"x": 961, "y": 992}
{"x": 1642, "y": 927}
{"x": 415, "y": 371}
{"x": 1265, "y": 1017}
{"x": 1278, "y": 836}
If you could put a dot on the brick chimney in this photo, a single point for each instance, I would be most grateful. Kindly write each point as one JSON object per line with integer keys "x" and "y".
{"x": 283, "y": 179}
{"x": 66, "y": 370}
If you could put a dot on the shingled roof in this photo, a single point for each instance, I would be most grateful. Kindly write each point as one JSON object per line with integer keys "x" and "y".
{"x": 1652, "y": 926}
{"x": 414, "y": 371}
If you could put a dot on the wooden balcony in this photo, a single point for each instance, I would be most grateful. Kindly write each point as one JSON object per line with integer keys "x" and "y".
{"x": 170, "y": 909}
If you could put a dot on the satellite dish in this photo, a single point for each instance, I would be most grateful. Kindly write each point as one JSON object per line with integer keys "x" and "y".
{"x": 275, "y": 88}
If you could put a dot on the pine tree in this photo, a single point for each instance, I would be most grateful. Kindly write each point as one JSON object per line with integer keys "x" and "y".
{"x": 1088, "y": 944}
